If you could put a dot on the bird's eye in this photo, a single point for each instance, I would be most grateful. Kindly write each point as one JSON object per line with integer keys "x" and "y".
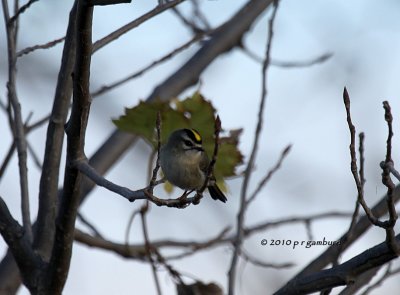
{"x": 188, "y": 143}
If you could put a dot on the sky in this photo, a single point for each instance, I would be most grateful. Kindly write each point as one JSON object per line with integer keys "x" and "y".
{"x": 304, "y": 108}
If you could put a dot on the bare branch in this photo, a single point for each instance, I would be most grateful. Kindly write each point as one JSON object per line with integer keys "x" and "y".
{"x": 107, "y": 2}
{"x": 387, "y": 181}
{"x": 21, "y": 10}
{"x": 166, "y": 57}
{"x": 250, "y": 165}
{"x": 20, "y": 245}
{"x": 188, "y": 23}
{"x": 86, "y": 222}
{"x": 210, "y": 168}
{"x": 128, "y": 228}
{"x": 42, "y": 46}
{"x": 270, "y": 173}
{"x": 37, "y": 124}
{"x": 193, "y": 246}
{"x": 48, "y": 188}
{"x": 147, "y": 243}
{"x": 86, "y": 169}
{"x": 18, "y": 131}
{"x": 340, "y": 275}
{"x": 289, "y": 64}
{"x": 157, "y": 167}
{"x": 360, "y": 282}
{"x": 356, "y": 211}
{"x": 118, "y": 33}
{"x": 359, "y": 184}
{"x": 391, "y": 168}
{"x": 35, "y": 157}
{"x": 75, "y": 130}
{"x": 248, "y": 258}
{"x": 7, "y": 159}
{"x": 138, "y": 252}
{"x": 330, "y": 254}
{"x": 388, "y": 273}
{"x": 224, "y": 38}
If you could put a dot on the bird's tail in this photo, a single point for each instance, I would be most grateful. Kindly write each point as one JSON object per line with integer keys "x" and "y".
{"x": 216, "y": 193}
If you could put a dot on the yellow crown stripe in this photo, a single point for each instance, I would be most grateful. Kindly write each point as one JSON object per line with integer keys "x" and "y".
{"x": 196, "y": 135}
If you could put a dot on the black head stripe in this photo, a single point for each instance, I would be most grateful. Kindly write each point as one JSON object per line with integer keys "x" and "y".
{"x": 194, "y": 135}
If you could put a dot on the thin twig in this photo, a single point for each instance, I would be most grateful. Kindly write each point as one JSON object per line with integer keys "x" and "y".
{"x": 37, "y": 124}
{"x": 340, "y": 275}
{"x": 18, "y": 131}
{"x": 157, "y": 167}
{"x": 210, "y": 168}
{"x": 353, "y": 165}
{"x": 142, "y": 194}
{"x": 166, "y": 57}
{"x": 86, "y": 169}
{"x": 171, "y": 270}
{"x": 388, "y": 273}
{"x": 289, "y": 64}
{"x": 198, "y": 14}
{"x": 387, "y": 181}
{"x": 148, "y": 247}
{"x": 41, "y": 46}
{"x": 35, "y": 157}
{"x": 391, "y": 168}
{"x": 129, "y": 226}
{"x": 126, "y": 28}
{"x": 86, "y": 222}
{"x": 21, "y": 10}
{"x": 247, "y": 257}
{"x": 107, "y": 2}
{"x": 270, "y": 173}
{"x": 356, "y": 211}
{"x": 7, "y": 159}
{"x": 188, "y": 23}
{"x": 220, "y": 239}
{"x": 248, "y": 172}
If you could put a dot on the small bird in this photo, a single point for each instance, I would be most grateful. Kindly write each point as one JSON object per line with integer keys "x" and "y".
{"x": 184, "y": 163}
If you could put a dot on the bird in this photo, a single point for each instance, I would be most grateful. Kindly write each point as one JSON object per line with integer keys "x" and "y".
{"x": 184, "y": 163}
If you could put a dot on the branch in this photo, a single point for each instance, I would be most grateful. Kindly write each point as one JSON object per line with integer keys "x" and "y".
{"x": 353, "y": 165}
{"x": 330, "y": 254}
{"x": 21, "y": 10}
{"x": 18, "y": 131}
{"x": 289, "y": 64}
{"x": 118, "y": 33}
{"x": 142, "y": 194}
{"x": 48, "y": 188}
{"x": 248, "y": 258}
{"x": 148, "y": 245}
{"x": 75, "y": 130}
{"x": 340, "y": 275}
{"x": 191, "y": 247}
{"x": 387, "y": 181}
{"x": 138, "y": 252}
{"x": 42, "y": 46}
{"x": 171, "y": 54}
{"x": 210, "y": 168}
{"x": 269, "y": 175}
{"x": 107, "y": 2}
{"x": 224, "y": 38}
{"x": 247, "y": 175}
{"x": 20, "y": 246}
{"x": 388, "y": 273}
